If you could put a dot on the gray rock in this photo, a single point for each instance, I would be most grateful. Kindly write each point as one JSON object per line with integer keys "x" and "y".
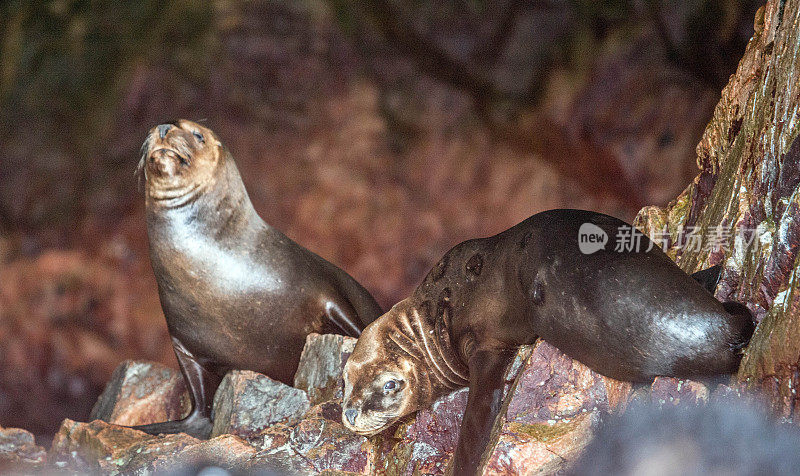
{"x": 248, "y": 402}
{"x": 140, "y": 393}
{"x": 19, "y": 452}
{"x": 321, "y": 364}
{"x": 316, "y": 444}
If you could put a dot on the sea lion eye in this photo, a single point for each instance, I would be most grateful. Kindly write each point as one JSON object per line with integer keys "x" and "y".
{"x": 389, "y": 386}
{"x": 199, "y": 137}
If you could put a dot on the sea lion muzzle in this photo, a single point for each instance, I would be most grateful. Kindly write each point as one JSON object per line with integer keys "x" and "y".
{"x": 165, "y": 162}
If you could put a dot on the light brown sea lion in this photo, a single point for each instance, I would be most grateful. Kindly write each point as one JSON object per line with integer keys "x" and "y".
{"x": 236, "y": 292}
{"x": 627, "y": 314}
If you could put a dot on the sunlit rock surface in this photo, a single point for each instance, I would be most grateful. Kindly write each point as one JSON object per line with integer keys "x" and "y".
{"x": 747, "y": 194}
{"x": 248, "y": 402}
{"x": 19, "y": 452}
{"x": 140, "y": 393}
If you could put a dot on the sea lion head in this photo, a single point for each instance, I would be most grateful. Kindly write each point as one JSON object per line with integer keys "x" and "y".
{"x": 178, "y": 159}
{"x": 387, "y": 376}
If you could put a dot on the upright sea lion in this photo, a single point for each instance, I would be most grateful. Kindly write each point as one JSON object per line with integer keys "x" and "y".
{"x": 626, "y": 312}
{"x": 236, "y": 293}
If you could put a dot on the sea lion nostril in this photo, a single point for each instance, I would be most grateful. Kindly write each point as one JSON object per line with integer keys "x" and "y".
{"x": 351, "y": 415}
{"x": 163, "y": 129}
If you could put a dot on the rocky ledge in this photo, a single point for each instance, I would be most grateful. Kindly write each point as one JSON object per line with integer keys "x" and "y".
{"x": 552, "y": 406}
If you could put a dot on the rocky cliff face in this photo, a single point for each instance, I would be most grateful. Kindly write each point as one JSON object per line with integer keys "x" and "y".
{"x": 742, "y": 210}
{"x": 747, "y": 197}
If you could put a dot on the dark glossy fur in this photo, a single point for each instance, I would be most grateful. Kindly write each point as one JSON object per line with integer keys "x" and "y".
{"x": 627, "y": 315}
{"x": 237, "y": 293}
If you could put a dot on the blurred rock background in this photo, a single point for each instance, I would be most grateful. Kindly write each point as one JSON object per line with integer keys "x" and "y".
{"x": 377, "y": 133}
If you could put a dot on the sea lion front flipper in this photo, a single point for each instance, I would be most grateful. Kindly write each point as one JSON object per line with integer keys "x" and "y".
{"x": 709, "y": 277}
{"x": 486, "y": 378}
{"x": 202, "y": 385}
{"x": 341, "y": 315}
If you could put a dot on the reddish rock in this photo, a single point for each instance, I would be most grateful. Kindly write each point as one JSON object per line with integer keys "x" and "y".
{"x": 140, "y": 393}
{"x": 424, "y": 443}
{"x": 248, "y": 402}
{"x": 19, "y": 452}
{"x": 277, "y": 452}
{"x": 169, "y": 452}
{"x": 674, "y": 391}
{"x": 747, "y": 195}
{"x": 321, "y": 364}
{"x": 95, "y": 446}
{"x": 549, "y": 413}
{"x": 105, "y": 448}
{"x": 317, "y": 443}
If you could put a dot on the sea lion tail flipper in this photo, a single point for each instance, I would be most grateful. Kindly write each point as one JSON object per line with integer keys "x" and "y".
{"x": 486, "y": 378}
{"x": 343, "y": 317}
{"x": 202, "y": 385}
{"x": 193, "y": 425}
{"x": 747, "y": 324}
{"x": 709, "y": 277}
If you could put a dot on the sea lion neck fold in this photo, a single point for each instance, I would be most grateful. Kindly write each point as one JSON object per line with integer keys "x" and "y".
{"x": 427, "y": 335}
{"x": 218, "y": 213}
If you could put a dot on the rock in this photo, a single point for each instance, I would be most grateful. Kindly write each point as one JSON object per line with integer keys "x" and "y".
{"x": 317, "y": 443}
{"x": 424, "y": 443}
{"x": 140, "y": 393}
{"x": 101, "y": 447}
{"x": 550, "y": 413}
{"x": 674, "y": 391}
{"x": 321, "y": 364}
{"x": 747, "y": 195}
{"x": 226, "y": 451}
{"x": 95, "y": 446}
{"x": 276, "y": 451}
{"x": 248, "y": 402}
{"x": 67, "y": 320}
{"x": 19, "y": 452}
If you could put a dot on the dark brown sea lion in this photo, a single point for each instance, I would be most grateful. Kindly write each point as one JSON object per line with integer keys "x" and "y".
{"x": 630, "y": 314}
{"x": 236, "y": 293}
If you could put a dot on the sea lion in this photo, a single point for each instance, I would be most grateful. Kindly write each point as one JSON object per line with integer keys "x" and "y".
{"x": 630, "y": 314}
{"x": 236, "y": 292}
